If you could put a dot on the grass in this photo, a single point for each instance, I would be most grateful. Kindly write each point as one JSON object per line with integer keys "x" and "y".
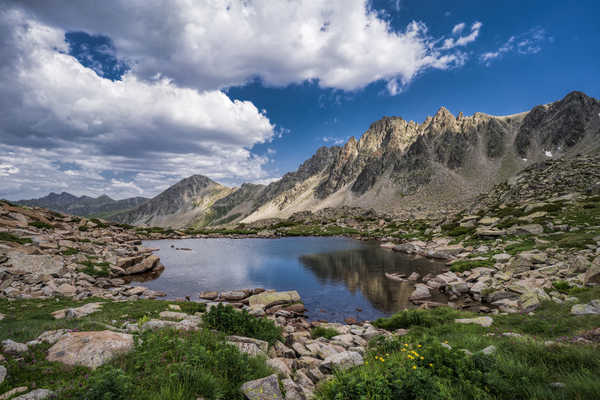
{"x": 467, "y": 265}
{"x": 95, "y": 269}
{"x": 521, "y": 368}
{"x": 321, "y": 331}
{"x": 8, "y": 237}
{"x": 41, "y": 225}
{"x": 165, "y": 364}
{"x": 70, "y": 251}
{"x": 238, "y": 322}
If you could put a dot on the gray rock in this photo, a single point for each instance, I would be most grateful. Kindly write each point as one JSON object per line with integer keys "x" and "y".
{"x": 292, "y": 390}
{"x": 36, "y": 264}
{"x": 261, "y": 344}
{"x": 593, "y": 307}
{"x": 38, "y": 394}
{"x": 3, "y": 373}
{"x": 421, "y": 292}
{"x": 280, "y": 365}
{"x": 491, "y": 349}
{"x": 233, "y": 295}
{"x": 90, "y": 349}
{"x": 79, "y": 312}
{"x": 263, "y": 389}
{"x": 343, "y": 360}
{"x": 482, "y": 321}
{"x": 12, "y": 347}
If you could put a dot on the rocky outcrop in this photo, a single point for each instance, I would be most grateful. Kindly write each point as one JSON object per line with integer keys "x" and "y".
{"x": 90, "y": 349}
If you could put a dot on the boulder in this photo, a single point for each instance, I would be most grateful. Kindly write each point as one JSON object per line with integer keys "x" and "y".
{"x": 254, "y": 347}
{"x": 147, "y": 264}
{"x": 421, "y": 292}
{"x": 208, "y": 295}
{"x": 36, "y": 264}
{"x": 280, "y": 365}
{"x": 343, "y": 360}
{"x": 592, "y": 276}
{"x": 14, "y": 348}
{"x": 292, "y": 390}
{"x": 38, "y": 394}
{"x": 482, "y": 321}
{"x": 3, "y": 373}
{"x": 274, "y": 298}
{"x": 90, "y": 349}
{"x": 263, "y": 389}
{"x": 234, "y": 295}
{"x": 66, "y": 290}
{"x": 593, "y": 307}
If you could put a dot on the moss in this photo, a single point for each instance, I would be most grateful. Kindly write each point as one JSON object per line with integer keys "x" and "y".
{"x": 8, "y": 237}
{"x": 41, "y": 225}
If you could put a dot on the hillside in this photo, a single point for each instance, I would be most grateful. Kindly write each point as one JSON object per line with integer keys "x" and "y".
{"x": 397, "y": 166}
{"x": 84, "y": 206}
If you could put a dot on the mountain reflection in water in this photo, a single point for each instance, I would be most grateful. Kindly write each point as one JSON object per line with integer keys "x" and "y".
{"x": 363, "y": 270}
{"x": 334, "y": 276}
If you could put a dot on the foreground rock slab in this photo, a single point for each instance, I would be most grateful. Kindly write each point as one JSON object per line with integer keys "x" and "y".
{"x": 90, "y": 349}
{"x": 482, "y": 321}
{"x": 38, "y": 394}
{"x": 343, "y": 360}
{"x": 79, "y": 312}
{"x": 274, "y": 298}
{"x": 263, "y": 389}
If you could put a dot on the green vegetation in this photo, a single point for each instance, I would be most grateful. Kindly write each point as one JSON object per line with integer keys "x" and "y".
{"x": 238, "y": 322}
{"x": 41, "y": 225}
{"x": 165, "y": 364}
{"x": 99, "y": 223}
{"x": 69, "y": 251}
{"x": 8, "y": 237}
{"x": 83, "y": 228}
{"x": 419, "y": 366}
{"x": 95, "y": 269}
{"x": 321, "y": 331}
{"x": 467, "y": 265}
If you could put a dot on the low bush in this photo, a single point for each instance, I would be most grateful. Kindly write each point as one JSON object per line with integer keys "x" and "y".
{"x": 41, "y": 225}
{"x": 321, "y": 331}
{"x": 408, "y": 318}
{"x": 110, "y": 384}
{"x": 8, "y": 237}
{"x": 467, "y": 265}
{"x": 238, "y": 322}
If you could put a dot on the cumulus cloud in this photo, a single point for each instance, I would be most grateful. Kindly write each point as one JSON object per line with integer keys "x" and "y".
{"x": 55, "y": 109}
{"x": 529, "y": 42}
{"x": 69, "y": 123}
{"x": 222, "y": 43}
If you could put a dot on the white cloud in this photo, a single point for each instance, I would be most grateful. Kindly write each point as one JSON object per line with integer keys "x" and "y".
{"x": 458, "y": 28}
{"x": 334, "y": 140}
{"x": 55, "y": 111}
{"x": 451, "y": 43}
{"x": 529, "y": 42}
{"x": 221, "y": 43}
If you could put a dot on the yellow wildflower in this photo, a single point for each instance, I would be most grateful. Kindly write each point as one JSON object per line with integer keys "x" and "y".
{"x": 414, "y": 367}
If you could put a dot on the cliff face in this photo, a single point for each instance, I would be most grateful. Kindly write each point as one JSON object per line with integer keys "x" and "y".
{"x": 397, "y": 166}
{"x": 400, "y": 165}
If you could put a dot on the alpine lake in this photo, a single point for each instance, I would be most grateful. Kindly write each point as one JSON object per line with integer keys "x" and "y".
{"x": 337, "y": 278}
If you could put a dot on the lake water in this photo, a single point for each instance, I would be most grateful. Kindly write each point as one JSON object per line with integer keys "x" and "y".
{"x": 336, "y": 277}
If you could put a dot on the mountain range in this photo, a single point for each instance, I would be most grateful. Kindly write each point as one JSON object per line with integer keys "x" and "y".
{"x": 396, "y": 166}
{"x": 85, "y": 206}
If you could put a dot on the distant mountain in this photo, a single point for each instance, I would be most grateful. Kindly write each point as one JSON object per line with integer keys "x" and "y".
{"x": 183, "y": 203}
{"x": 397, "y": 166}
{"x": 102, "y": 206}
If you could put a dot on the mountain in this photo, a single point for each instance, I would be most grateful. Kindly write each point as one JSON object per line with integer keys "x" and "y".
{"x": 183, "y": 203}
{"x": 396, "y": 166}
{"x": 85, "y": 206}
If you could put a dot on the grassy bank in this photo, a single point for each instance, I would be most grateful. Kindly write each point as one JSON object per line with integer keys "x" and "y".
{"x": 441, "y": 359}
{"x": 165, "y": 364}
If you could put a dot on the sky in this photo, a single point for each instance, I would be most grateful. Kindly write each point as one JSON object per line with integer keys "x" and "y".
{"x": 126, "y": 97}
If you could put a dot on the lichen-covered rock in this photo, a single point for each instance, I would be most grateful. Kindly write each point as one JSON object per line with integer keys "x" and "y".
{"x": 482, "y": 321}
{"x": 38, "y": 394}
{"x": 343, "y": 360}
{"x": 79, "y": 312}
{"x": 263, "y": 389}
{"x": 274, "y": 298}
{"x": 11, "y": 347}
{"x": 90, "y": 349}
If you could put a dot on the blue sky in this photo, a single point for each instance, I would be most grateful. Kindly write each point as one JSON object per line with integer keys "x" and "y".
{"x": 117, "y": 99}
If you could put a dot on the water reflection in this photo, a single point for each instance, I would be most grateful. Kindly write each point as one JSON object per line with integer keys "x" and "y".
{"x": 334, "y": 276}
{"x": 363, "y": 270}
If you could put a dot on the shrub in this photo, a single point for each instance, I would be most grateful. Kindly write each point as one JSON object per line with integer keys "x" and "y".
{"x": 99, "y": 223}
{"x": 561, "y": 286}
{"x": 110, "y": 384}
{"x": 239, "y": 322}
{"x": 8, "y": 237}
{"x": 407, "y": 318}
{"x": 460, "y": 230}
{"x": 321, "y": 331}
{"x": 466, "y": 265}
{"x": 402, "y": 370}
{"x": 83, "y": 228}
{"x": 41, "y": 225}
